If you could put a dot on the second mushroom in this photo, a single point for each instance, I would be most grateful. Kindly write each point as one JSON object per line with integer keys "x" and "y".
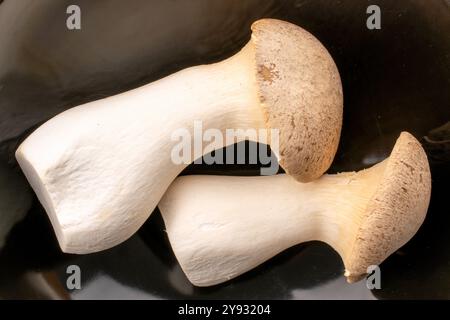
{"x": 220, "y": 227}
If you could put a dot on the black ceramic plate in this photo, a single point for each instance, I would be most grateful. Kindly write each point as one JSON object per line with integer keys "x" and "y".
{"x": 396, "y": 78}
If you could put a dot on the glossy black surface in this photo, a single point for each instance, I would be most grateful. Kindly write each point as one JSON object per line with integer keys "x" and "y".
{"x": 395, "y": 79}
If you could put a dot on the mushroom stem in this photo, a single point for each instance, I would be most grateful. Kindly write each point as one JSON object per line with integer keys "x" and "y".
{"x": 220, "y": 227}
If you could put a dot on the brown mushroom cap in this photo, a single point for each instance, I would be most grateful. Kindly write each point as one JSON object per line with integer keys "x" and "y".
{"x": 301, "y": 95}
{"x": 397, "y": 209}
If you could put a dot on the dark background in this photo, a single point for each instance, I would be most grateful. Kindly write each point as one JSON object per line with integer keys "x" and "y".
{"x": 395, "y": 79}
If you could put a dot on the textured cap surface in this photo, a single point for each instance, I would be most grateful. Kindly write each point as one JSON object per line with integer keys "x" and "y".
{"x": 301, "y": 95}
{"x": 397, "y": 209}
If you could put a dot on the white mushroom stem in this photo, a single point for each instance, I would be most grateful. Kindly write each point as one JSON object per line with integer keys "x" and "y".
{"x": 100, "y": 169}
{"x": 220, "y": 227}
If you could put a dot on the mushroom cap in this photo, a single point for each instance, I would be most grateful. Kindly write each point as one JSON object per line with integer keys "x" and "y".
{"x": 396, "y": 210}
{"x": 300, "y": 93}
